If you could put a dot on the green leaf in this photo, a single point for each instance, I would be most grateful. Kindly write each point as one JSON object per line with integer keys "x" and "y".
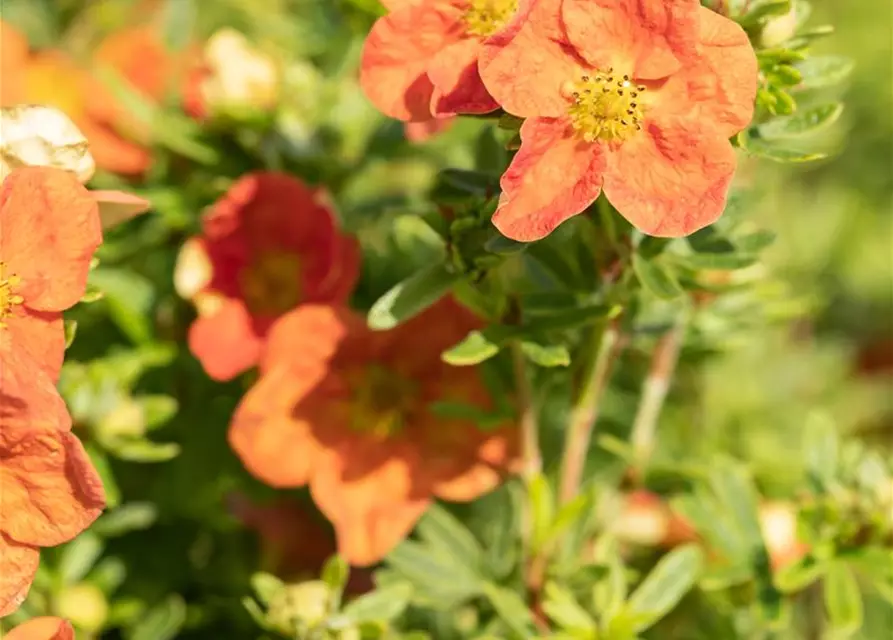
{"x": 843, "y": 600}
{"x": 412, "y": 296}
{"x": 79, "y": 556}
{"x": 756, "y": 241}
{"x": 129, "y": 298}
{"x": 70, "y": 327}
{"x": 666, "y": 585}
{"x": 131, "y": 516}
{"x": 759, "y": 10}
{"x": 796, "y": 576}
{"x": 751, "y": 142}
{"x": 472, "y": 183}
{"x": 438, "y": 581}
{"x": 157, "y": 409}
{"x": 541, "y": 500}
{"x": 821, "y": 450}
{"x": 448, "y": 537}
{"x": 570, "y": 319}
{"x": 824, "y": 71}
{"x": 555, "y": 355}
{"x": 266, "y": 586}
{"x": 511, "y": 609}
{"x": 803, "y": 123}
{"x": 144, "y": 450}
{"x": 490, "y": 155}
{"x": 566, "y": 612}
{"x": 335, "y": 573}
{"x": 609, "y": 594}
{"x": 656, "y": 279}
{"x": 382, "y": 605}
{"x": 717, "y": 261}
{"x": 162, "y": 622}
{"x": 475, "y": 348}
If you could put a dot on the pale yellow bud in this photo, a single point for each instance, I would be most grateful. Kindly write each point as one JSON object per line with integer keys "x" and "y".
{"x": 241, "y": 79}
{"x": 193, "y": 271}
{"x": 38, "y": 136}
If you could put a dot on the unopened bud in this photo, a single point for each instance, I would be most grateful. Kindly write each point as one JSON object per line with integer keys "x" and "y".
{"x": 779, "y": 29}
{"x": 37, "y": 136}
{"x": 305, "y": 605}
{"x": 240, "y": 78}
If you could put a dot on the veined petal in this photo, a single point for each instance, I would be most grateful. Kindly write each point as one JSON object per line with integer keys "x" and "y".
{"x": 719, "y": 83}
{"x": 51, "y": 492}
{"x": 18, "y": 564}
{"x": 553, "y": 177}
{"x": 645, "y": 37}
{"x": 39, "y": 334}
{"x": 458, "y": 87}
{"x": 673, "y": 178}
{"x": 49, "y": 230}
{"x": 28, "y": 396}
{"x": 397, "y": 53}
{"x": 525, "y": 65}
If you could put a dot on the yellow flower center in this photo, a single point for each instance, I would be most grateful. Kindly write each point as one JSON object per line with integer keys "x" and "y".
{"x": 606, "y": 107}
{"x": 486, "y": 17}
{"x": 381, "y": 401}
{"x": 8, "y": 297}
{"x": 271, "y": 284}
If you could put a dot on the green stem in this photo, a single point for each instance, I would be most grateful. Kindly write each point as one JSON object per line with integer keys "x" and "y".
{"x": 654, "y": 393}
{"x": 530, "y": 448}
{"x": 605, "y": 345}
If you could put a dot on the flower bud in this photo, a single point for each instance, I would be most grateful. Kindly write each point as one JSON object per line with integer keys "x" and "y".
{"x": 193, "y": 270}
{"x": 304, "y": 605}
{"x": 778, "y": 522}
{"x": 779, "y": 29}
{"x": 241, "y": 79}
{"x": 37, "y": 136}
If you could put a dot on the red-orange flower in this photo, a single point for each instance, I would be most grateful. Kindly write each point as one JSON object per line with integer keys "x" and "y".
{"x": 362, "y": 418}
{"x": 44, "y": 628}
{"x": 270, "y": 244}
{"x": 421, "y": 60}
{"x": 49, "y": 230}
{"x": 634, "y": 97}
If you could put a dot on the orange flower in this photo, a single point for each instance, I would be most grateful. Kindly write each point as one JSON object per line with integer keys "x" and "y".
{"x": 636, "y": 97}
{"x": 426, "y": 129}
{"x": 421, "y": 60}
{"x": 50, "y": 490}
{"x": 44, "y": 628}
{"x": 269, "y": 244}
{"x": 352, "y": 413}
{"x": 49, "y": 230}
{"x": 13, "y": 53}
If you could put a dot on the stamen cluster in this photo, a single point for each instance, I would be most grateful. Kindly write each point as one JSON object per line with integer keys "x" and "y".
{"x": 606, "y": 107}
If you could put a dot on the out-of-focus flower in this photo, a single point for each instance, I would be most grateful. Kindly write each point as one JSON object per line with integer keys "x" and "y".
{"x": 778, "y": 522}
{"x": 32, "y": 135}
{"x": 13, "y": 54}
{"x": 636, "y": 98}
{"x": 646, "y": 519}
{"x": 270, "y": 244}
{"x": 240, "y": 80}
{"x": 44, "y": 628}
{"x": 295, "y": 544}
{"x": 421, "y": 60}
{"x": 49, "y": 230}
{"x": 358, "y": 416}
{"x": 85, "y": 605}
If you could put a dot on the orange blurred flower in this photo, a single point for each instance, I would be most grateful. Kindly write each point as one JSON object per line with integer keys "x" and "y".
{"x": 137, "y": 55}
{"x": 636, "y": 97}
{"x": 426, "y": 129}
{"x": 421, "y": 60}
{"x": 352, "y": 413}
{"x": 44, "y": 628}
{"x": 49, "y": 230}
{"x": 270, "y": 244}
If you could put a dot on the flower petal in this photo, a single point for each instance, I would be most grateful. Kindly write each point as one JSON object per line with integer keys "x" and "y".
{"x": 371, "y": 496}
{"x": 116, "y": 207}
{"x": 553, "y": 177}
{"x": 718, "y": 84}
{"x": 51, "y": 492}
{"x": 308, "y": 337}
{"x": 28, "y": 397}
{"x": 644, "y": 37}
{"x": 226, "y": 341}
{"x": 525, "y": 65}
{"x": 43, "y": 628}
{"x": 39, "y": 334}
{"x": 458, "y": 87}
{"x": 273, "y": 444}
{"x": 673, "y": 178}
{"x": 18, "y": 564}
{"x": 397, "y": 53}
{"x": 426, "y": 129}
{"x": 49, "y": 230}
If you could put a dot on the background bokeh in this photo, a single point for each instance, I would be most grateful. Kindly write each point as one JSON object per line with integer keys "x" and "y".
{"x": 177, "y": 553}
